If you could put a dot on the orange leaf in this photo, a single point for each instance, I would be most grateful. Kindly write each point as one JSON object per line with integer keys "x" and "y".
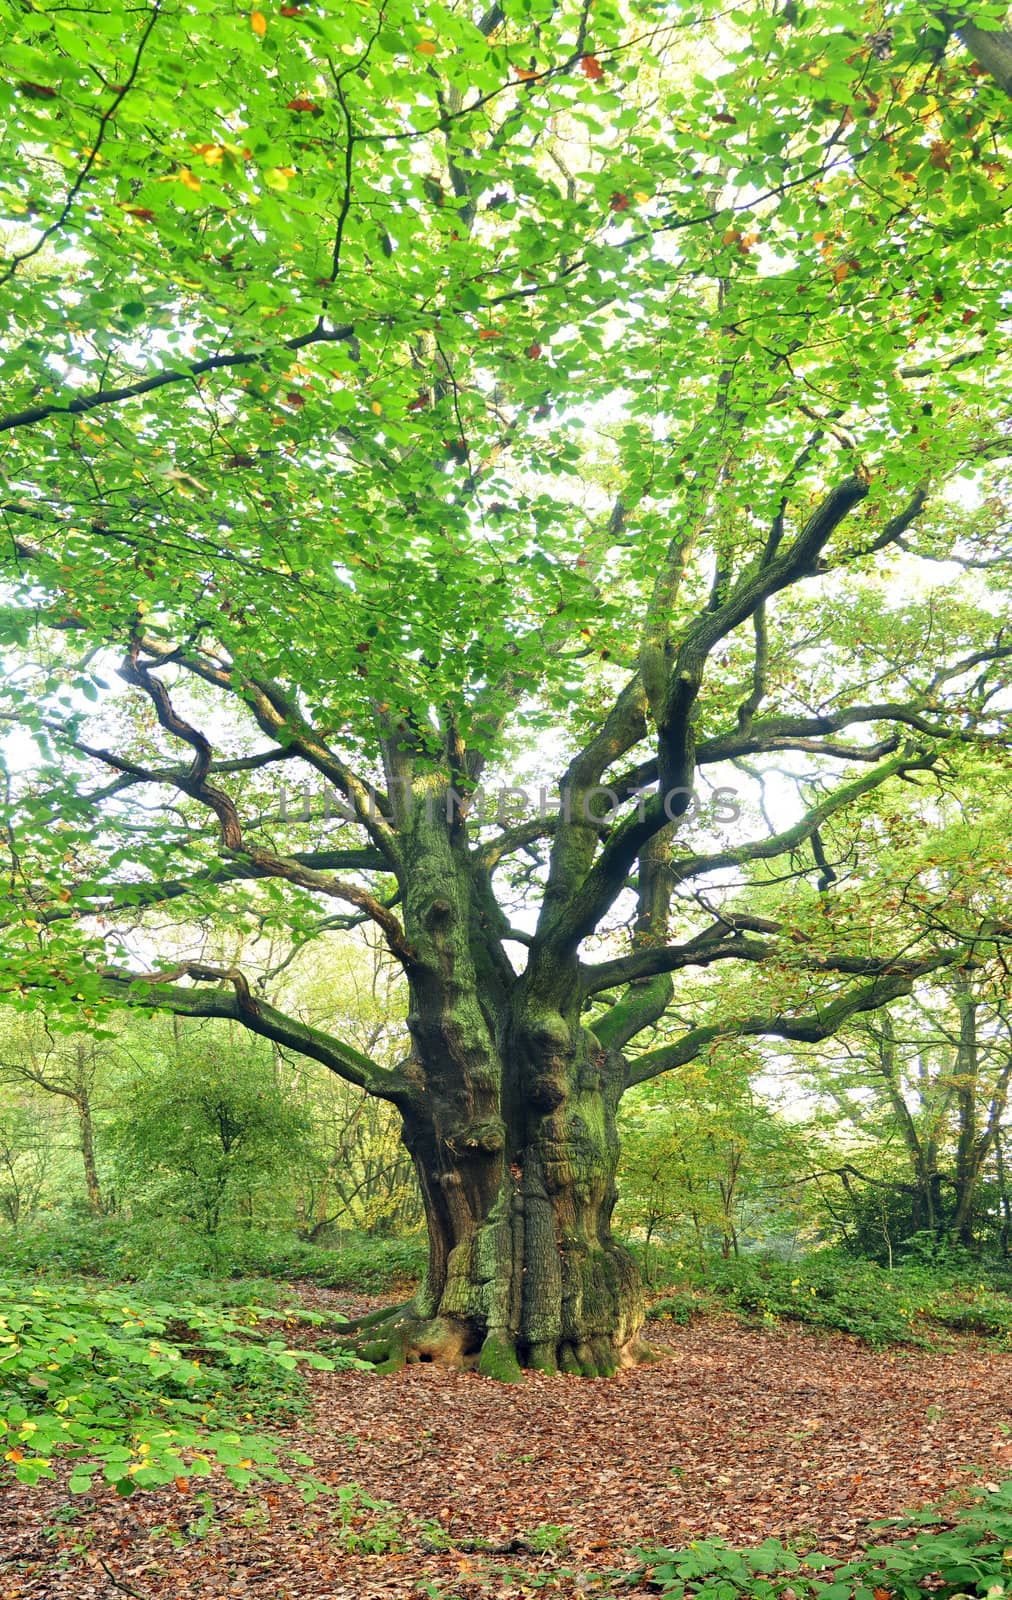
{"x": 426, "y": 47}
{"x": 140, "y": 212}
{"x": 940, "y": 154}
{"x": 591, "y": 68}
{"x": 533, "y": 351}
{"x": 302, "y": 105}
{"x": 258, "y": 22}
{"x": 489, "y": 333}
{"x": 182, "y": 1485}
{"x": 619, "y": 202}
{"x": 291, "y": 11}
{"x": 526, "y": 77}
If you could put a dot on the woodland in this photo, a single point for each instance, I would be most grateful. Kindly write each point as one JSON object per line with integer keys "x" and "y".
{"x": 505, "y": 1004}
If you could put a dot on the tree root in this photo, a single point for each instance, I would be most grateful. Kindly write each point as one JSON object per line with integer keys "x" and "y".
{"x": 399, "y": 1336}
{"x": 372, "y": 1319}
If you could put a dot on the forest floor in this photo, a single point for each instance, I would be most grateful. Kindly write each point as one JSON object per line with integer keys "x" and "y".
{"x": 738, "y": 1433}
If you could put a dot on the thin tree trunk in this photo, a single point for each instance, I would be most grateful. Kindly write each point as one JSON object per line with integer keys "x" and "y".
{"x": 86, "y": 1134}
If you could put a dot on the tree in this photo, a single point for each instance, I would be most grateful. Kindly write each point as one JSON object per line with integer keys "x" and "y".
{"x": 929, "y": 1076}
{"x": 203, "y": 1129}
{"x": 34, "y": 1059}
{"x": 573, "y": 413}
{"x": 25, "y": 1159}
{"x": 706, "y": 1151}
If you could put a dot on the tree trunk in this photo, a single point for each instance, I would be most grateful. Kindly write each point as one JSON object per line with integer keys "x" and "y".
{"x": 523, "y": 1269}
{"x": 508, "y": 1113}
{"x": 971, "y": 1150}
{"x": 510, "y": 1124}
{"x": 1005, "y": 1233}
{"x": 86, "y": 1130}
{"x": 87, "y": 1134}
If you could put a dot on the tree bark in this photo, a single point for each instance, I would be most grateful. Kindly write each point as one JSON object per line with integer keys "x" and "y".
{"x": 86, "y": 1134}
{"x": 87, "y": 1139}
{"x": 518, "y": 1190}
{"x": 509, "y": 1118}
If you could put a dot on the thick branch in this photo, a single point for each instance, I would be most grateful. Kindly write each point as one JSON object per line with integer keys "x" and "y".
{"x": 809, "y": 1029}
{"x": 162, "y": 991}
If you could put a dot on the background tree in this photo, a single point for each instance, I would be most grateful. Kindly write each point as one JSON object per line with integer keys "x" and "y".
{"x": 582, "y": 415}
{"x": 31, "y": 1056}
{"x": 922, "y": 1088}
{"x": 26, "y": 1153}
{"x": 204, "y": 1130}
{"x": 707, "y": 1160}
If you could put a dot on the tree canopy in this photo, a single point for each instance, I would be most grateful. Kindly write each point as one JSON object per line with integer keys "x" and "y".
{"x": 603, "y": 404}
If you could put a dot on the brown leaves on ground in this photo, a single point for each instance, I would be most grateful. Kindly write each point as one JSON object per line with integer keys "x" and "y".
{"x": 738, "y": 1433}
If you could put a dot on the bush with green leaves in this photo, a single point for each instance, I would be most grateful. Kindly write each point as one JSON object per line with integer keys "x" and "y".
{"x": 206, "y": 1130}
{"x": 138, "y": 1391}
{"x": 182, "y": 1255}
{"x": 911, "y": 1304}
{"x": 945, "y": 1555}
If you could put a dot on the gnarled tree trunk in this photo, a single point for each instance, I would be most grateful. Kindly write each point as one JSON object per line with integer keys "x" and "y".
{"x": 509, "y": 1118}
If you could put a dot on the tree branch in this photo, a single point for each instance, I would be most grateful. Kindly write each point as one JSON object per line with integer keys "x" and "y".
{"x": 233, "y": 1000}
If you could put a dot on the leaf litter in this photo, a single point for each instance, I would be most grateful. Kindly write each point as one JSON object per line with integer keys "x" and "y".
{"x": 469, "y": 1490}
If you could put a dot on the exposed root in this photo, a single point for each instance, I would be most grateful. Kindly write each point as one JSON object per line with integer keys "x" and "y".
{"x": 399, "y": 1336}
{"x": 373, "y": 1318}
{"x": 498, "y": 1358}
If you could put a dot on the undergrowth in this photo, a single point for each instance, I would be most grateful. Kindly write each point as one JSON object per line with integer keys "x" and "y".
{"x": 914, "y": 1303}
{"x": 139, "y": 1390}
{"x": 941, "y": 1555}
{"x": 184, "y": 1256}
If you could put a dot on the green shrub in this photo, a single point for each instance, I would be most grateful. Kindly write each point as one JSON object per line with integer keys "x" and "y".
{"x": 970, "y": 1554}
{"x": 139, "y": 1390}
{"x": 679, "y": 1308}
{"x": 181, "y": 1257}
{"x": 910, "y": 1304}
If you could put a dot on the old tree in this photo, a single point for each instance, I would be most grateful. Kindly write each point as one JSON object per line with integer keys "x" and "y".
{"x": 405, "y": 405}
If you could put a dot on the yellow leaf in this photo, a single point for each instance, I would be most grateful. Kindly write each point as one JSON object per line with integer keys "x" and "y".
{"x": 426, "y": 47}
{"x": 186, "y": 177}
{"x": 377, "y": 409}
{"x": 258, "y": 22}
